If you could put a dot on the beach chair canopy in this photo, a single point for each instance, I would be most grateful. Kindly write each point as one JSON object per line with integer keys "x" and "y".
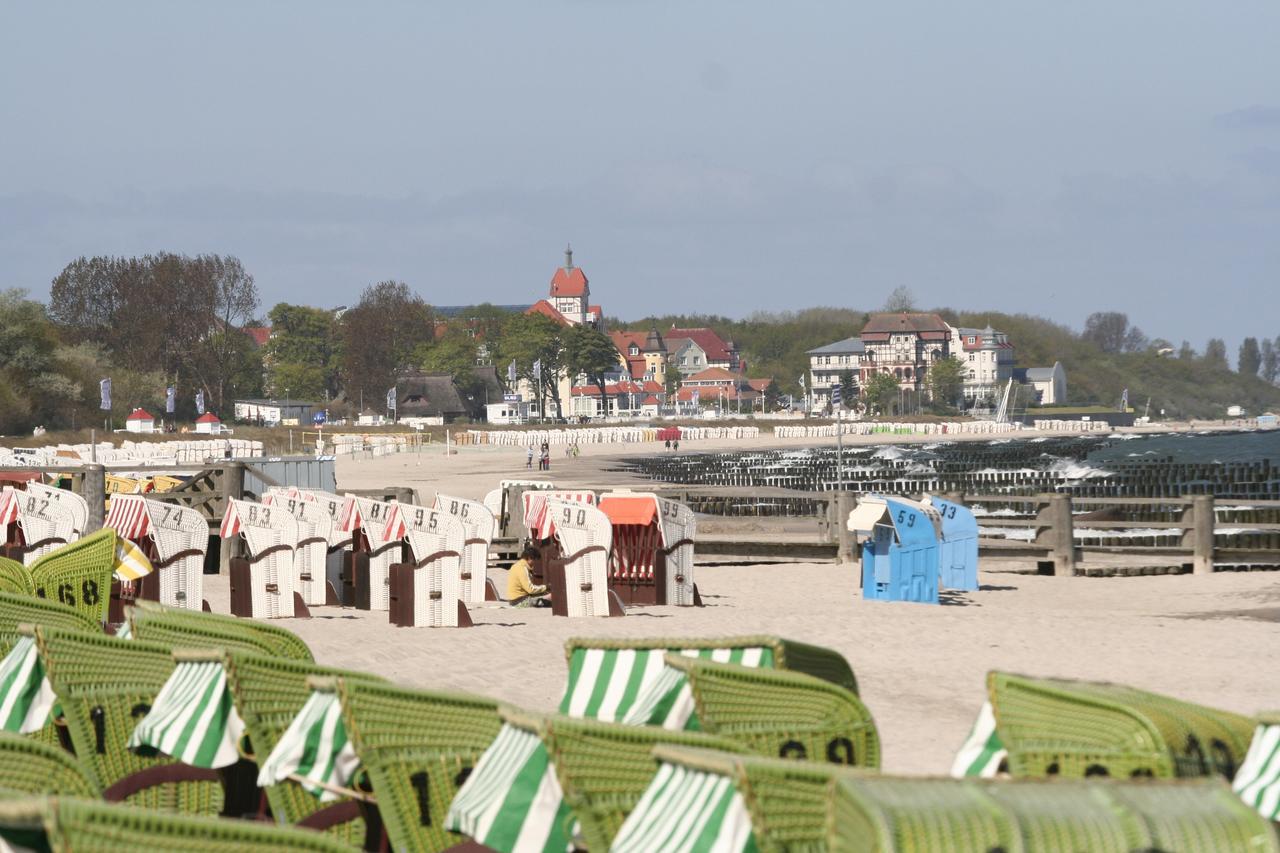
{"x": 271, "y": 534}
{"x": 586, "y": 539}
{"x": 913, "y": 523}
{"x": 178, "y": 537}
{"x": 1257, "y": 781}
{"x": 479, "y": 526}
{"x": 46, "y": 524}
{"x": 435, "y": 539}
{"x": 77, "y": 505}
{"x": 537, "y": 509}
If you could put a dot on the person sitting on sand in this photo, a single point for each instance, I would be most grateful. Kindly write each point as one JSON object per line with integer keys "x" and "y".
{"x": 521, "y": 591}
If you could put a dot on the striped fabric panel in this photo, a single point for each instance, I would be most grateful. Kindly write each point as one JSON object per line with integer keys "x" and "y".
{"x": 125, "y": 631}
{"x": 605, "y": 684}
{"x": 314, "y": 747}
{"x": 1258, "y": 779}
{"x": 130, "y": 563}
{"x": 983, "y": 750}
{"x": 668, "y": 700}
{"x": 512, "y": 801}
{"x": 26, "y": 697}
{"x": 193, "y": 718}
{"x": 687, "y": 811}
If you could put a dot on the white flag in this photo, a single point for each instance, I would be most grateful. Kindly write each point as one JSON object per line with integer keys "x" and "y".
{"x": 200, "y": 402}
{"x": 104, "y": 388}
{"x": 537, "y": 369}
{"x": 511, "y": 371}
{"x": 391, "y": 398}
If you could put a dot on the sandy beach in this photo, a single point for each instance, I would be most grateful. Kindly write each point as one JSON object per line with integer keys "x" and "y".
{"x": 920, "y": 668}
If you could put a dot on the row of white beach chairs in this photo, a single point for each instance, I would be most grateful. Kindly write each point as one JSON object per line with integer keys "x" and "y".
{"x": 175, "y": 451}
{"x": 601, "y": 435}
{"x": 877, "y": 427}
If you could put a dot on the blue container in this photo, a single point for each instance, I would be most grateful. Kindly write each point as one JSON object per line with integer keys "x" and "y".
{"x": 958, "y": 552}
{"x": 900, "y": 554}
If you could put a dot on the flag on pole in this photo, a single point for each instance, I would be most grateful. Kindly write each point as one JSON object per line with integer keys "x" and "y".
{"x": 170, "y": 395}
{"x": 696, "y": 396}
{"x": 104, "y": 388}
{"x": 391, "y": 398}
{"x": 1124, "y": 400}
{"x": 801, "y": 380}
{"x": 836, "y": 395}
{"x": 200, "y": 402}
{"x": 511, "y": 371}
{"x": 537, "y": 370}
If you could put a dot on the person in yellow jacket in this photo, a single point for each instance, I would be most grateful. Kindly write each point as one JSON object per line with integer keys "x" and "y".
{"x": 521, "y": 590}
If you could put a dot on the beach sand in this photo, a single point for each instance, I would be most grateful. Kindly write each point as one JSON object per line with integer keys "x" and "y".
{"x": 921, "y": 669}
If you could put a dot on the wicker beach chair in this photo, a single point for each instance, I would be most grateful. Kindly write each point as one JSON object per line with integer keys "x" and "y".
{"x": 79, "y": 575}
{"x": 156, "y": 623}
{"x": 780, "y": 713}
{"x": 1061, "y": 816}
{"x": 604, "y": 768}
{"x": 32, "y": 767}
{"x": 730, "y": 802}
{"x": 18, "y": 610}
{"x": 608, "y": 676}
{"x": 417, "y": 747}
{"x": 1075, "y": 728}
{"x": 269, "y": 693}
{"x": 67, "y": 824}
{"x": 105, "y": 685}
{"x": 14, "y": 578}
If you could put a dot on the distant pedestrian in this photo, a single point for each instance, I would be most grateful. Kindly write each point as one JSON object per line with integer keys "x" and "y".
{"x": 546, "y": 459}
{"x": 575, "y": 450}
{"x": 675, "y": 446}
{"x": 668, "y": 445}
{"x": 528, "y": 462}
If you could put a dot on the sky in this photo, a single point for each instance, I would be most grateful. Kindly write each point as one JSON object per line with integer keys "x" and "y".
{"x": 701, "y": 156}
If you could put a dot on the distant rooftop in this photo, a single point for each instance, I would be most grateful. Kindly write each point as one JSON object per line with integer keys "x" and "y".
{"x": 461, "y": 310}
{"x": 847, "y": 346}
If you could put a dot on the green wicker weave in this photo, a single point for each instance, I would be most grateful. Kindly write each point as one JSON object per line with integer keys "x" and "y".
{"x": 193, "y": 629}
{"x": 38, "y": 768}
{"x": 787, "y": 800}
{"x": 817, "y": 661}
{"x": 79, "y": 574}
{"x": 18, "y": 610}
{"x": 418, "y": 747}
{"x": 105, "y": 685}
{"x": 67, "y": 824}
{"x": 1076, "y": 728}
{"x": 1068, "y": 815}
{"x": 604, "y": 768}
{"x": 878, "y": 813}
{"x": 779, "y": 713}
{"x": 15, "y": 578}
{"x": 269, "y": 693}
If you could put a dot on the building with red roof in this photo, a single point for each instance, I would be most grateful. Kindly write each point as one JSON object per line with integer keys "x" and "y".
{"x": 258, "y": 334}
{"x": 643, "y": 354}
{"x": 571, "y": 295}
{"x": 694, "y": 350}
{"x": 140, "y": 420}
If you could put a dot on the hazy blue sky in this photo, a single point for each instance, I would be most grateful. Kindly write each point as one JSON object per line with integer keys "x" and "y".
{"x": 1055, "y": 158}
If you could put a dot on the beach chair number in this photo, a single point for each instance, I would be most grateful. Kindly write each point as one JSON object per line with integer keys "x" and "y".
{"x": 793, "y": 749}
{"x": 910, "y": 518}
{"x": 98, "y": 717}
{"x": 66, "y": 594}
{"x": 31, "y": 506}
{"x": 569, "y": 519}
{"x": 1222, "y": 760}
{"x": 421, "y": 782}
{"x": 840, "y": 751}
{"x": 89, "y": 592}
{"x": 461, "y": 512}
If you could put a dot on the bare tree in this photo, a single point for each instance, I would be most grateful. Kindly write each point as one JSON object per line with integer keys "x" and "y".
{"x": 902, "y": 299}
{"x": 379, "y": 337}
{"x": 1108, "y": 331}
{"x": 1270, "y": 360}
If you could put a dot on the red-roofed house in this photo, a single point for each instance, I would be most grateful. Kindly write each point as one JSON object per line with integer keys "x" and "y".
{"x": 571, "y": 294}
{"x": 694, "y": 350}
{"x": 546, "y": 309}
{"x": 626, "y": 398}
{"x": 903, "y": 344}
{"x": 140, "y": 420}
{"x": 258, "y": 334}
{"x": 718, "y": 386}
{"x": 643, "y": 354}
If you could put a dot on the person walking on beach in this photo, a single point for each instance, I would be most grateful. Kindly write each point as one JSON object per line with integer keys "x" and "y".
{"x": 675, "y": 446}
{"x": 668, "y": 445}
{"x": 521, "y": 591}
{"x": 528, "y": 462}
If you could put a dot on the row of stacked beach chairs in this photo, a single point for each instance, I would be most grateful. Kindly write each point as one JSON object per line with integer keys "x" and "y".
{"x": 192, "y": 731}
{"x": 602, "y": 435}
{"x": 882, "y": 428}
{"x": 175, "y": 451}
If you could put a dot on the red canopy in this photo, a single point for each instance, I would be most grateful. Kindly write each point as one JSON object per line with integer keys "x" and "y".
{"x": 637, "y": 510}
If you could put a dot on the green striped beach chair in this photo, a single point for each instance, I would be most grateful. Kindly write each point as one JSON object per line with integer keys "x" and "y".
{"x": 193, "y": 629}
{"x": 548, "y": 783}
{"x": 1257, "y": 781}
{"x": 417, "y": 747}
{"x": 14, "y": 578}
{"x": 67, "y": 824}
{"x": 616, "y": 680}
{"x": 702, "y": 800}
{"x": 33, "y": 767}
{"x": 105, "y": 685}
{"x": 16, "y": 610}
{"x": 1049, "y": 727}
{"x": 270, "y": 694}
{"x": 79, "y": 575}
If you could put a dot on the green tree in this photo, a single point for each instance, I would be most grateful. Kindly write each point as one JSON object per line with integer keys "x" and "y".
{"x": 590, "y": 352}
{"x": 1249, "y": 360}
{"x": 881, "y": 391}
{"x": 848, "y": 387}
{"x": 771, "y": 395}
{"x": 946, "y": 380}
{"x": 1215, "y": 354}
{"x": 1107, "y": 330}
{"x": 302, "y": 352}
{"x": 535, "y": 338}
{"x": 39, "y": 393}
{"x": 380, "y": 336}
